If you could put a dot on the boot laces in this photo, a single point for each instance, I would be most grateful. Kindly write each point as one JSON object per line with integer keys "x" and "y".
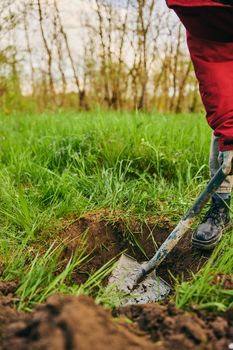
{"x": 214, "y": 213}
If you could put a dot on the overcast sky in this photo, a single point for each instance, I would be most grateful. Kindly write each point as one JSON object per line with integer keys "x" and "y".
{"x": 122, "y": 3}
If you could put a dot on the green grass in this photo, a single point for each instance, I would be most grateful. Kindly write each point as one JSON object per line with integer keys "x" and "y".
{"x": 55, "y": 165}
{"x": 202, "y": 292}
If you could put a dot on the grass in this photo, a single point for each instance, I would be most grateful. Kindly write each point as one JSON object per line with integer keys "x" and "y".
{"x": 202, "y": 292}
{"x": 55, "y": 165}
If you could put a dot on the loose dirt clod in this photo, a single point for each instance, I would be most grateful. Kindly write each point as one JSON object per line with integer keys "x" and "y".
{"x": 7, "y": 312}
{"x": 177, "y": 329}
{"x": 71, "y": 323}
{"x": 7, "y": 287}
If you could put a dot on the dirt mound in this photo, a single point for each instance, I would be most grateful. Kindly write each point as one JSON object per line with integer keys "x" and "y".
{"x": 70, "y": 323}
{"x": 8, "y": 287}
{"x": 7, "y": 312}
{"x": 107, "y": 235}
{"x": 77, "y": 323}
{"x": 7, "y": 297}
{"x": 176, "y": 329}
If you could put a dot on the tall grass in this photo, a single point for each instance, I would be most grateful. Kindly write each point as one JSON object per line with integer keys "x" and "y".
{"x": 205, "y": 291}
{"x": 54, "y": 165}
{"x": 61, "y": 163}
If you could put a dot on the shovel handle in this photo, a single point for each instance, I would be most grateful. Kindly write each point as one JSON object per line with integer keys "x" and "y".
{"x": 183, "y": 226}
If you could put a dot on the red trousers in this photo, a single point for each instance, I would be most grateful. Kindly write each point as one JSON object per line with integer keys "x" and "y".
{"x": 210, "y": 42}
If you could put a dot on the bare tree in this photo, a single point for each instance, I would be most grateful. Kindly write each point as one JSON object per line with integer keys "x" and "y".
{"x": 81, "y": 92}
{"x": 47, "y": 46}
{"x": 26, "y": 11}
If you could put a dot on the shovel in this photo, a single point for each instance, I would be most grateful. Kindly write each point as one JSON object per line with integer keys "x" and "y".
{"x": 138, "y": 283}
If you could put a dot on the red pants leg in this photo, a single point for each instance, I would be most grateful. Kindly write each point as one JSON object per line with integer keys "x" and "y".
{"x": 213, "y": 64}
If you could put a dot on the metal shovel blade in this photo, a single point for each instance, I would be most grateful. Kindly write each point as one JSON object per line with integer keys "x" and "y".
{"x": 151, "y": 289}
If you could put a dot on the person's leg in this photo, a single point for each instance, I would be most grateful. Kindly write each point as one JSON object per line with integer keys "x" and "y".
{"x": 224, "y": 190}
{"x": 213, "y": 64}
{"x": 217, "y": 219}
{"x": 211, "y": 52}
{"x": 210, "y": 23}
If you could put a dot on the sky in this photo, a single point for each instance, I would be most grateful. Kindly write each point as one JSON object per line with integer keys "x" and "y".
{"x": 122, "y": 3}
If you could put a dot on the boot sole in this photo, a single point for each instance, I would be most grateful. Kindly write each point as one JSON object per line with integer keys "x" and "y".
{"x": 211, "y": 244}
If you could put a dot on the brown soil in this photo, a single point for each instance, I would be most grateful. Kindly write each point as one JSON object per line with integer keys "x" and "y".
{"x": 7, "y": 312}
{"x": 107, "y": 235}
{"x": 77, "y": 323}
{"x": 176, "y": 329}
{"x": 70, "y": 323}
{"x": 224, "y": 281}
{"x": 8, "y": 287}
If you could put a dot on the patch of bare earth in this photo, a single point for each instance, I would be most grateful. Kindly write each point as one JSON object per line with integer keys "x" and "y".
{"x": 108, "y": 235}
{"x": 175, "y": 329}
{"x": 71, "y": 323}
{"x": 77, "y": 323}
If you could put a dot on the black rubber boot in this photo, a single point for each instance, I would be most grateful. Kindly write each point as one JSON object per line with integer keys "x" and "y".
{"x": 215, "y": 222}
